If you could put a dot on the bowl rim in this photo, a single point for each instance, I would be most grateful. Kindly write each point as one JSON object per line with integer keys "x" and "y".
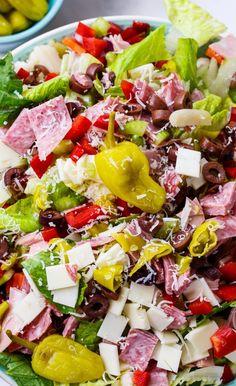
{"x": 116, "y": 18}
{"x": 35, "y": 27}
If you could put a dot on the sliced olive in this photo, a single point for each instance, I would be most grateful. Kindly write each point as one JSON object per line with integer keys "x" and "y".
{"x": 50, "y": 216}
{"x": 94, "y": 69}
{"x": 160, "y": 117}
{"x": 213, "y": 172}
{"x": 81, "y": 83}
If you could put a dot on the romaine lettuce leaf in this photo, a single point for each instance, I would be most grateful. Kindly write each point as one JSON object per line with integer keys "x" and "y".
{"x": 8, "y": 223}
{"x": 64, "y": 198}
{"x": 186, "y": 60}
{"x": 48, "y": 90}
{"x": 212, "y": 103}
{"x": 86, "y": 334}
{"x": 101, "y": 382}
{"x": 151, "y": 49}
{"x": 210, "y": 376}
{"x": 193, "y": 21}
{"x": 25, "y": 215}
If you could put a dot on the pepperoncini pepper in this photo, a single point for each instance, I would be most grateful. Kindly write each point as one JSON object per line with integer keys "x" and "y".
{"x": 204, "y": 238}
{"x": 124, "y": 169}
{"x": 109, "y": 277}
{"x": 128, "y": 242}
{"x": 62, "y": 360}
{"x": 183, "y": 264}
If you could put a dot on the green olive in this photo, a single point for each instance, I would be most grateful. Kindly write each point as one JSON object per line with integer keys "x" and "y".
{"x": 18, "y": 21}
{"x": 5, "y": 27}
{"x": 5, "y": 6}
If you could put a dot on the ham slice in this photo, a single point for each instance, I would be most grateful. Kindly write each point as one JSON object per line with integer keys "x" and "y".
{"x": 226, "y": 47}
{"x": 171, "y": 87}
{"x": 174, "y": 284}
{"x": 221, "y": 203}
{"x": 50, "y": 121}
{"x": 138, "y": 350}
{"x": 100, "y": 108}
{"x": 227, "y": 227}
{"x": 143, "y": 92}
{"x": 20, "y": 137}
{"x": 39, "y": 326}
{"x": 178, "y": 315}
{"x": 71, "y": 324}
{"x": 158, "y": 377}
{"x": 30, "y": 239}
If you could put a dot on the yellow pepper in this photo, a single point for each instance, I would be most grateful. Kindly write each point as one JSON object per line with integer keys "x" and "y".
{"x": 61, "y": 247}
{"x": 41, "y": 197}
{"x": 128, "y": 242}
{"x": 3, "y": 308}
{"x": 153, "y": 249}
{"x": 97, "y": 228}
{"x": 204, "y": 238}
{"x": 7, "y": 276}
{"x": 124, "y": 169}
{"x": 10, "y": 262}
{"x": 183, "y": 264}
{"x": 109, "y": 277}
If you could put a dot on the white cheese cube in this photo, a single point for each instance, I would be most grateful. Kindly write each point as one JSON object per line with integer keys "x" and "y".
{"x": 188, "y": 162}
{"x": 29, "y": 308}
{"x": 156, "y": 351}
{"x": 110, "y": 357}
{"x": 8, "y": 157}
{"x": 137, "y": 316}
{"x": 200, "y": 336}
{"x": 197, "y": 182}
{"x": 58, "y": 277}
{"x": 167, "y": 337}
{"x": 114, "y": 255}
{"x": 112, "y": 327}
{"x": 4, "y": 194}
{"x": 117, "y": 306}
{"x": 200, "y": 288}
{"x": 231, "y": 357}
{"x": 82, "y": 255}
{"x": 169, "y": 357}
{"x": 158, "y": 319}
{"x": 192, "y": 354}
{"x": 88, "y": 275}
{"x": 141, "y": 294}
{"x": 66, "y": 296}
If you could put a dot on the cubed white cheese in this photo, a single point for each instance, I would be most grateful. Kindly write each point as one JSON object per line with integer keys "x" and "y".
{"x": 82, "y": 255}
{"x": 169, "y": 357}
{"x": 66, "y": 296}
{"x": 4, "y": 194}
{"x": 167, "y": 337}
{"x": 137, "y": 316}
{"x": 141, "y": 294}
{"x": 200, "y": 336}
{"x": 231, "y": 357}
{"x": 188, "y": 162}
{"x": 117, "y": 306}
{"x": 29, "y": 308}
{"x": 110, "y": 357}
{"x": 197, "y": 182}
{"x": 192, "y": 354}
{"x": 112, "y": 327}
{"x": 114, "y": 255}
{"x": 158, "y": 319}
{"x": 200, "y": 288}
{"x": 88, "y": 275}
{"x": 155, "y": 354}
{"x": 58, "y": 277}
{"x": 8, "y": 157}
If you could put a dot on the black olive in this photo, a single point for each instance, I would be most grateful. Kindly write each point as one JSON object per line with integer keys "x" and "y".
{"x": 50, "y": 216}
{"x": 97, "y": 306}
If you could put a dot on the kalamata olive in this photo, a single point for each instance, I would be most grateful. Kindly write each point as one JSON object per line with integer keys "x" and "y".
{"x": 50, "y": 216}
{"x": 94, "y": 69}
{"x": 16, "y": 181}
{"x": 182, "y": 101}
{"x": 109, "y": 294}
{"x": 210, "y": 272}
{"x": 40, "y": 69}
{"x": 160, "y": 117}
{"x": 156, "y": 103}
{"x": 4, "y": 248}
{"x": 130, "y": 109}
{"x": 213, "y": 172}
{"x": 81, "y": 83}
{"x": 233, "y": 81}
{"x": 180, "y": 240}
{"x": 150, "y": 223}
{"x": 112, "y": 77}
{"x": 173, "y": 150}
{"x": 96, "y": 307}
{"x": 74, "y": 108}
{"x": 211, "y": 147}
{"x": 31, "y": 80}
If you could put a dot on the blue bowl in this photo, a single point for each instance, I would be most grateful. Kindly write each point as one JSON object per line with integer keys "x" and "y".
{"x": 9, "y": 42}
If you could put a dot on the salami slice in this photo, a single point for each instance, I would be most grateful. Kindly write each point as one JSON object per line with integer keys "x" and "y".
{"x": 220, "y": 204}
{"x": 227, "y": 227}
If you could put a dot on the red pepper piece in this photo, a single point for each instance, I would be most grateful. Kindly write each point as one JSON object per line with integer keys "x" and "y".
{"x": 22, "y": 73}
{"x": 79, "y": 127}
{"x": 15, "y": 282}
{"x": 84, "y": 30}
{"x": 103, "y": 121}
{"x": 228, "y": 375}
{"x": 228, "y": 270}
{"x": 128, "y": 33}
{"x": 40, "y": 167}
{"x": 139, "y": 26}
{"x": 212, "y": 54}
{"x": 80, "y": 217}
{"x": 128, "y": 89}
{"x": 94, "y": 46}
{"x": 77, "y": 152}
{"x": 223, "y": 341}
{"x": 160, "y": 64}
{"x": 49, "y": 233}
{"x": 125, "y": 209}
{"x": 227, "y": 292}
{"x": 231, "y": 172}
{"x": 103, "y": 60}
{"x": 88, "y": 149}
{"x": 141, "y": 378}
{"x": 50, "y": 76}
{"x": 114, "y": 29}
{"x": 136, "y": 38}
{"x": 200, "y": 307}
{"x": 233, "y": 114}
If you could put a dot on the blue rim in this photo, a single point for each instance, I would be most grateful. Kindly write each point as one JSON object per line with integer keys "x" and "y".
{"x": 53, "y": 10}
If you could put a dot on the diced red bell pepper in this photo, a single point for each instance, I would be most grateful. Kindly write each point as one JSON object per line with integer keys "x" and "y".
{"x": 223, "y": 341}
{"x": 227, "y": 292}
{"x": 136, "y": 38}
{"x": 228, "y": 375}
{"x": 228, "y": 270}
{"x": 88, "y": 149}
{"x": 128, "y": 33}
{"x": 212, "y": 54}
{"x": 94, "y": 46}
{"x": 114, "y": 29}
{"x": 80, "y": 126}
{"x": 77, "y": 152}
{"x": 82, "y": 216}
{"x": 200, "y": 307}
{"x": 50, "y": 76}
{"x": 125, "y": 209}
{"x": 141, "y": 378}
{"x": 160, "y": 64}
{"x": 49, "y": 233}
{"x": 128, "y": 89}
{"x": 233, "y": 114}
{"x": 103, "y": 121}
{"x": 40, "y": 167}
{"x": 231, "y": 172}
{"x": 22, "y": 73}
{"x": 16, "y": 281}
{"x": 103, "y": 60}
{"x": 139, "y": 26}
{"x": 169, "y": 298}
{"x": 84, "y": 30}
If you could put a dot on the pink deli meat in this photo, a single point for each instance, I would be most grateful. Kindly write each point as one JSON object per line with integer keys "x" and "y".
{"x": 221, "y": 203}
{"x": 39, "y": 326}
{"x": 174, "y": 284}
{"x": 171, "y": 87}
{"x": 227, "y": 227}
{"x": 226, "y": 47}
{"x": 158, "y": 377}
{"x": 139, "y": 347}
{"x": 20, "y": 137}
{"x": 178, "y": 315}
{"x": 71, "y": 324}
{"x": 50, "y": 121}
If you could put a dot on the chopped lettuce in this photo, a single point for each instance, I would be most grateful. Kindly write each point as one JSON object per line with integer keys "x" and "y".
{"x": 25, "y": 215}
{"x": 64, "y": 198}
{"x": 186, "y": 60}
{"x": 72, "y": 63}
{"x": 220, "y": 85}
{"x": 150, "y": 49}
{"x": 109, "y": 380}
{"x": 48, "y": 90}
{"x": 8, "y": 223}
{"x": 212, "y": 103}
{"x": 86, "y": 334}
{"x": 193, "y": 21}
{"x": 210, "y": 376}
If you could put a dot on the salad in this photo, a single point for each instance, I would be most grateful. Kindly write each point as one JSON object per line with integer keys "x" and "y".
{"x": 118, "y": 206}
